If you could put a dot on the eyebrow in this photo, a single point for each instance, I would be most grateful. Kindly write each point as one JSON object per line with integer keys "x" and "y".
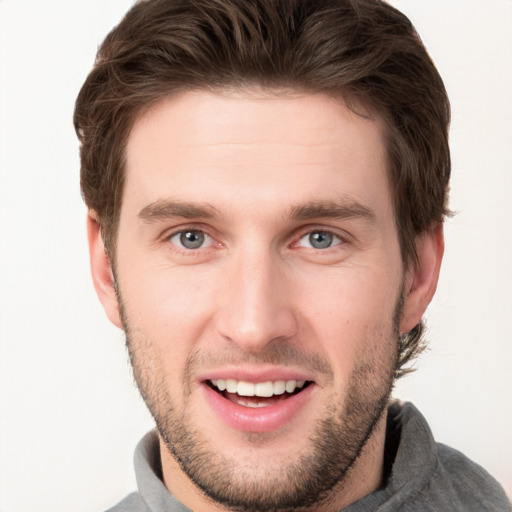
{"x": 165, "y": 209}
{"x": 345, "y": 209}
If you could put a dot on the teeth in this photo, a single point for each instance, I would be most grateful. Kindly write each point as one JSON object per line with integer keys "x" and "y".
{"x": 290, "y": 386}
{"x": 279, "y": 387}
{"x": 261, "y": 389}
{"x": 231, "y": 385}
{"x": 264, "y": 389}
{"x": 245, "y": 389}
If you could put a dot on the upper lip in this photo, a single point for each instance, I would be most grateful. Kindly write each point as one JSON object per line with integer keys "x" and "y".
{"x": 255, "y": 375}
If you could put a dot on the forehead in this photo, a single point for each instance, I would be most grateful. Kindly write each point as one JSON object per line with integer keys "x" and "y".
{"x": 255, "y": 145}
{"x": 256, "y": 115}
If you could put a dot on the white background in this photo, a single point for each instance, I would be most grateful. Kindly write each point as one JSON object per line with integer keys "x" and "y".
{"x": 69, "y": 413}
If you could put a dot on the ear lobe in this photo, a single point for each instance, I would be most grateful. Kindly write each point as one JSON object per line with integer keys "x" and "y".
{"x": 101, "y": 270}
{"x": 422, "y": 277}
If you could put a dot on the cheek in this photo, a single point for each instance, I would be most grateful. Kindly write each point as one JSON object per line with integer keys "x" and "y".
{"x": 166, "y": 297}
{"x": 351, "y": 317}
{"x": 166, "y": 313}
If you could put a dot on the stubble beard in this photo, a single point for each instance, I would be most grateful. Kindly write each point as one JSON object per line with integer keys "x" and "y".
{"x": 334, "y": 447}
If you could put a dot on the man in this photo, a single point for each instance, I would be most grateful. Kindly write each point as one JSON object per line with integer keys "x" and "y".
{"x": 266, "y": 184}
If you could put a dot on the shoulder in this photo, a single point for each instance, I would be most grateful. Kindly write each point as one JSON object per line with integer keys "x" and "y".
{"x": 462, "y": 481}
{"x": 431, "y": 477}
{"x": 132, "y": 503}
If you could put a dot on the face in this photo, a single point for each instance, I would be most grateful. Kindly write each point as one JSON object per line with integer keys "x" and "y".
{"x": 260, "y": 281}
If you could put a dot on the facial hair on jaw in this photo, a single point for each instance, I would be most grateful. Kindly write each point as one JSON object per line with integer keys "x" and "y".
{"x": 335, "y": 445}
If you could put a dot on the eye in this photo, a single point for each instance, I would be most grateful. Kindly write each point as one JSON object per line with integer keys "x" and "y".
{"x": 191, "y": 239}
{"x": 319, "y": 240}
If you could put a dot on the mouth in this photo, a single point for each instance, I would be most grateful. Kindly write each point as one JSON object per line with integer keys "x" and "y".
{"x": 257, "y": 394}
{"x": 259, "y": 404}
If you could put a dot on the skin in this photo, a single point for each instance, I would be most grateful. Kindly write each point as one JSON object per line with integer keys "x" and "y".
{"x": 249, "y": 170}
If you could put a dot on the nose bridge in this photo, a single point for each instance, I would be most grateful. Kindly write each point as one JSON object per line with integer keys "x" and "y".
{"x": 258, "y": 308}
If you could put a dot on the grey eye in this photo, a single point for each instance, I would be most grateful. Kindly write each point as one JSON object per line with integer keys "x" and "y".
{"x": 191, "y": 239}
{"x": 319, "y": 240}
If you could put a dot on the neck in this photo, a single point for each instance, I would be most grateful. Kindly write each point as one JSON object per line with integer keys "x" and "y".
{"x": 366, "y": 474}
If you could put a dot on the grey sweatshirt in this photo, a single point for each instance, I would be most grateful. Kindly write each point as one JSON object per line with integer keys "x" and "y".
{"x": 422, "y": 475}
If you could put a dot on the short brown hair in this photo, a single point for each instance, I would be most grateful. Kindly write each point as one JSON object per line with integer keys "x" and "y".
{"x": 364, "y": 50}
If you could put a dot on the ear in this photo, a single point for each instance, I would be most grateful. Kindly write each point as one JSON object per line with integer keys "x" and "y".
{"x": 422, "y": 277}
{"x": 101, "y": 270}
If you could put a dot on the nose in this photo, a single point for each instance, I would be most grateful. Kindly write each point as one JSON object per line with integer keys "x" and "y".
{"x": 257, "y": 306}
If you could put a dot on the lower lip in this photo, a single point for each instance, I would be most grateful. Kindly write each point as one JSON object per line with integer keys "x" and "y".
{"x": 258, "y": 419}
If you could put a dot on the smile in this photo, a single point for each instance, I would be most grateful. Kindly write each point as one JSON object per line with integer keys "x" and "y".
{"x": 261, "y": 389}
{"x": 259, "y": 394}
